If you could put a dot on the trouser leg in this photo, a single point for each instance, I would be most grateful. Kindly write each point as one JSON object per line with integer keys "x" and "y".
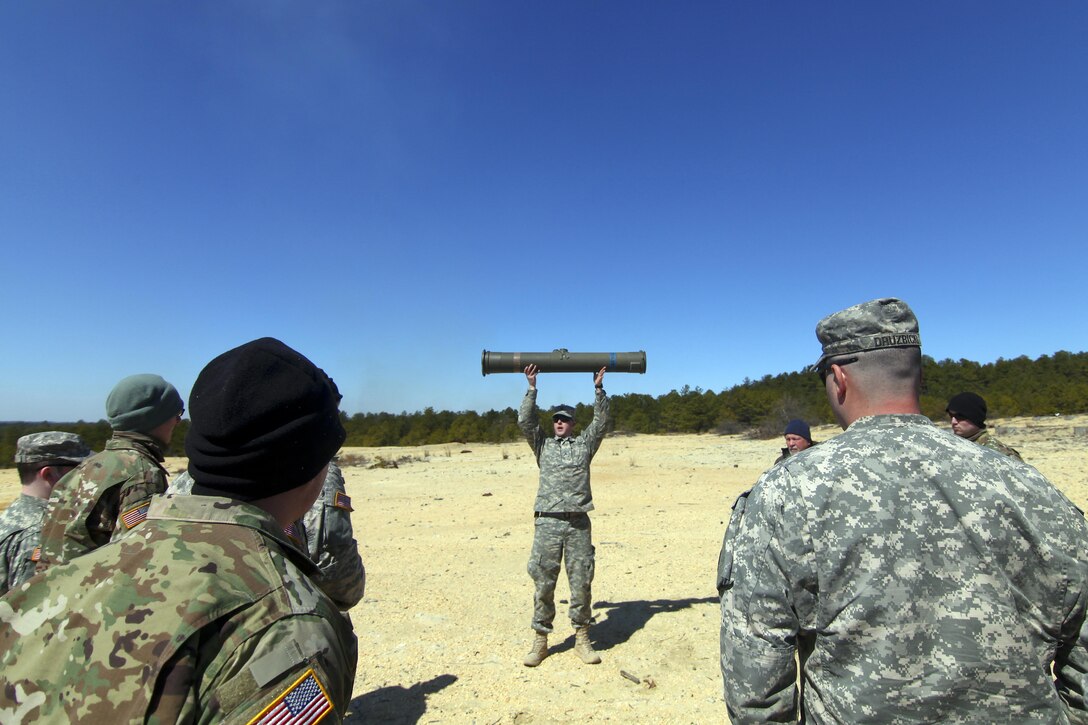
{"x": 544, "y": 564}
{"x": 580, "y": 563}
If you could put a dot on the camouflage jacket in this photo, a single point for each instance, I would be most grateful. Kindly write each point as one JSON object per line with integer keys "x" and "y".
{"x": 563, "y": 462}
{"x": 983, "y": 438}
{"x": 20, "y": 532}
{"x": 326, "y": 534}
{"x": 206, "y": 613}
{"x": 917, "y": 577}
{"x": 102, "y": 499}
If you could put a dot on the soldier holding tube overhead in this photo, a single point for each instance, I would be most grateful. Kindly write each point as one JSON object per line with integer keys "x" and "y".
{"x": 561, "y": 515}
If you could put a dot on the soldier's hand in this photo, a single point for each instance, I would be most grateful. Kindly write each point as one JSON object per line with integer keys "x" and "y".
{"x": 598, "y": 379}
{"x": 530, "y": 374}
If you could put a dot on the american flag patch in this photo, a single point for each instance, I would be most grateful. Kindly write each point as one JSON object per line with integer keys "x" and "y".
{"x": 342, "y": 501}
{"x": 292, "y": 534}
{"x": 303, "y": 702}
{"x": 135, "y": 516}
{"x": 37, "y": 554}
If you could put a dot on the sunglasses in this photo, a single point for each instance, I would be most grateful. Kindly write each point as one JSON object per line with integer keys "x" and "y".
{"x": 825, "y": 367}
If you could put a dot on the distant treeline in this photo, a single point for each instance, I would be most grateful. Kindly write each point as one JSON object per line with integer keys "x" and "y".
{"x": 1051, "y": 384}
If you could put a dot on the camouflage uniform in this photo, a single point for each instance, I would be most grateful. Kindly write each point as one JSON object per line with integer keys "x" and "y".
{"x": 916, "y": 576}
{"x": 330, "y": 540}
{"x": 21, "y": 523}
{"x": 983, "y": 438}
{"x": 206, "y": 613}
{"x": 103, "y": 499}
{"x": 562, "y": 526}
{"x": 325, "y": 533}
{"x": 20, "y": 532}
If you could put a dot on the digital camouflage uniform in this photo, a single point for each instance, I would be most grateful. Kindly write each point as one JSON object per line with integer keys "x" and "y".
{"x": 325, "y": 533}
{"x": 205, "y": 613}
{"x": 330, "y": 540}
{"x": 103, "y": 499}
{"x": 917, "y": 577}
{"x": 20, "y": 532}
{"x": 983, "y": 438}
{"x": 562, "y": 527}
{"x": 21, "y": 523}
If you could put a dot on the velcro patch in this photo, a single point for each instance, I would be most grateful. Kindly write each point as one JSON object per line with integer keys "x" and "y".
{"x": 135, "y": 516}
{"x": 37, "y": 554}
{"x": 342, "y": 501}
{"x": 305, "y": 701}
{"x": 292, "y": 534}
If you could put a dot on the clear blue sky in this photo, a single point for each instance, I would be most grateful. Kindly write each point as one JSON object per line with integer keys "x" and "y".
{"x": 392, "y": 187}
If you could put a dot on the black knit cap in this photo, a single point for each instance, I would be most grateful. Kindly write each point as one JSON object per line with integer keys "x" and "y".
{"x": 970, "y": 406}
{"x": 264, "y": 420}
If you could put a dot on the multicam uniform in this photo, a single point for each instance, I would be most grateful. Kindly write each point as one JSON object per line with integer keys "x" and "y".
{"x": 103, "y": 499}
{"x": 20, "y": 533}
{"x": 983, "y": 438}
{"x": 206, "y": 613}
{"x": 562, "y": 526}
{"x": 918, "y": 577}
{"x": 325, "y": 533}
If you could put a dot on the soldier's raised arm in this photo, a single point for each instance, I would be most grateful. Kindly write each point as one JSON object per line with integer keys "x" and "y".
{"x": 528, "y": 415}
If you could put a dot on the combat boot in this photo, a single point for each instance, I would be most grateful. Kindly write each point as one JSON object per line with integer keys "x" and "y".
{"x": 538, "y": 651}
{"x": 584, "y": 648}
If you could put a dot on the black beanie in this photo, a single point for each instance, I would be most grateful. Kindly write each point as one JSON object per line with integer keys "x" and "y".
{"x": 263, "y": 420}
{"x": 969, "y": 406}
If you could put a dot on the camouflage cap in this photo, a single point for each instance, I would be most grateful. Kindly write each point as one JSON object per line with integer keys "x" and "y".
{"x": 885, "y": 322}
{"x": 563, "y": 411}
{"x": 51, "y": 446}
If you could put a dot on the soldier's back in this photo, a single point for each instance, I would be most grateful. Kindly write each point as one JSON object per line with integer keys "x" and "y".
{"x": 101, "y": 499}
{"x": 940, "y": 566}
{"x": 207, "y": 587}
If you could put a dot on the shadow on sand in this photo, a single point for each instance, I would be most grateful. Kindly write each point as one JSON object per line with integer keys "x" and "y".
{"x": 626, "y": 618}
{"x": 396, "y": 705}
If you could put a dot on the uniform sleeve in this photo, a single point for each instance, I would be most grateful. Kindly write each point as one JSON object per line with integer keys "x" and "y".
{"x": 302, "y": 661}
{"x": 1071, "y": 659}
{"x": 529, "y": 422}
{"x": 724, "y": 578}
{"x": 332, "y": 545}
{"x": 126, "y": 509}
{"x": 594, "y": 432}
{"x": 760, "y": 606}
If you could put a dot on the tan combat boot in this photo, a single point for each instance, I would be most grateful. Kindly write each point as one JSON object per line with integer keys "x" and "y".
{"x": 538, "y": 651}
{"x": 584, "y": 648}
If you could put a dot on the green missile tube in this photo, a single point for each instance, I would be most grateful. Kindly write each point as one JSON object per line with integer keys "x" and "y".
{"x": 562, "y": 361}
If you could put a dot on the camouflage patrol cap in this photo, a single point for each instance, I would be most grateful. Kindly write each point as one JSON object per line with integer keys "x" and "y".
{"x": 563, "y": 411}
{"x": 51, "y": 446}
{"x": 880, "y": 323}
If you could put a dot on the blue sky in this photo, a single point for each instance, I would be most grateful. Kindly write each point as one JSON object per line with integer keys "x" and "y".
{"x": 394, "y": 187}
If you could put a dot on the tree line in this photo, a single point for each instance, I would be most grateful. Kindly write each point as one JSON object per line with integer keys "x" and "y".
{"x": 1050, "y": 384}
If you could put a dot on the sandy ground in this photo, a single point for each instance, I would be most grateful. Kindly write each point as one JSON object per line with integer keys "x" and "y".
{"x": 445, "y": 537}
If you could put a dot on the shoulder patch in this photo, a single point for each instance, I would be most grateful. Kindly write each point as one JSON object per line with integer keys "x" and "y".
{"x": 135, "y": 516}
{"x": 305, "y": 701}
{"x": 292, "y": 533}
{"x": 342, "y": 501}
{"x": 37, "y": 554}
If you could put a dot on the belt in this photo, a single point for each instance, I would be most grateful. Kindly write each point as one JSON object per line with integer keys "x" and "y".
{"x": 565, "y": 515}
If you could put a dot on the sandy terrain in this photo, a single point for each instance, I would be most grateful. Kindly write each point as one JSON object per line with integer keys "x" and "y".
{"x": 446, "y": 535}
